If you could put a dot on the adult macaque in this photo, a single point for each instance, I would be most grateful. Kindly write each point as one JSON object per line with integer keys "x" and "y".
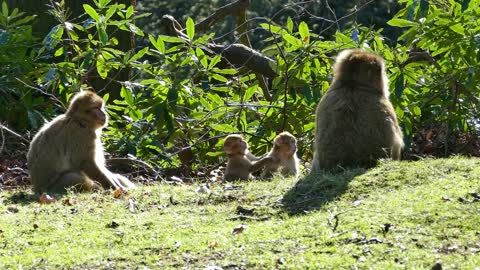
{"x": 240, "y": 160}
{"x": 282, "y": 158}
{"x": 355, "y": 122}
{"x": 67, "y": 151}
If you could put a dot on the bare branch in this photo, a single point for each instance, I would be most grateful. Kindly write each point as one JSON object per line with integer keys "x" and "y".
{"x": 13, "y": 133}
{"x": 233, "y": 8}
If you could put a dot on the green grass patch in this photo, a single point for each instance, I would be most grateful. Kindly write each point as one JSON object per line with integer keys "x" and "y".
{"x": 397, "y": 215}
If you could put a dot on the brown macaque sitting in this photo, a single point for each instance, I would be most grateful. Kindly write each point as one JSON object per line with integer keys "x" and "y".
{"x": 67, "y": 151}
{"x": 240, "y": 160}
{"x": 355, "y": 122}
{"x": 282, "y": 158}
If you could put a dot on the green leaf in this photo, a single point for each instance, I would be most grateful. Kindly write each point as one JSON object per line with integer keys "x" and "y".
{"x": 304, "y": 32}
{"x": 138, "y": 55}
{"x": 91, "y": 12}
{"x": 289, "y": 25}
{"x": 225, "y": 128}
{"x": 401, "y": 23}
{"x": 250, "y": 91}
{"x": 417, "y": 111}
{"x": 171, "y": 39}
{"x": 4, "y": 9}
{"x": 101, "y": 68}
{"x": 129, "y": 12}
{"x": 215, "y": 60}
{"x": 103, "y": 36}
{"x": 271, "y": 28}
{"x": 292, "y": 40}
{"x": 158, "y": 44}
{"x": 458, "y": 28}
{"x": 127, "y": 96}
{"x": 59, "y": 52}
{"x": 229, "y": 71}
{"x": 202, "y": 57}
{"x": 190, "y": 28}
{"x": 219, "y": 77}
{"x": 135, "y": 29}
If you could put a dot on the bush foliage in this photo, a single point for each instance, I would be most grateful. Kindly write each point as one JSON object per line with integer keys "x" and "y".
{"x": 181, "y": 99}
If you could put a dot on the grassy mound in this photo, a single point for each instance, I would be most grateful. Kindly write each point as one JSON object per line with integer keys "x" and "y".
{"x": 397, "y": 215}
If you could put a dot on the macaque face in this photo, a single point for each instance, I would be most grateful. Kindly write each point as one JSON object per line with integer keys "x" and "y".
{"x": 91, "y": 112}
{"x": 235, "y": 145}
{"x": 285, "y": 146}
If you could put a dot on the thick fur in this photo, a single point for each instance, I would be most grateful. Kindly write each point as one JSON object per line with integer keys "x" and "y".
{"x": 282, "y": 158}
{"x": 239, "y": 159}
{"x": 356, "y": 123}
{"x": 67, "y": 152}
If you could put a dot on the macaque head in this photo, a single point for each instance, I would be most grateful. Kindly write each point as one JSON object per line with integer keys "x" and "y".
{"x": 285, "y": 145}
{"x": 359, "y": 67}
{"x": 89, "y": 109}
{"x": 235, "y": 145}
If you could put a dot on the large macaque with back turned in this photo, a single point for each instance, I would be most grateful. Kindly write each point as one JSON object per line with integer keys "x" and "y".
{"x": 356, "y": 123}
{"x": 67, "y": 151}
{"x": 282, "y": 158}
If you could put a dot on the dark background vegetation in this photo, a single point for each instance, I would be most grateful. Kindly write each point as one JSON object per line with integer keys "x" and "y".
{"x": 172, "y": 98}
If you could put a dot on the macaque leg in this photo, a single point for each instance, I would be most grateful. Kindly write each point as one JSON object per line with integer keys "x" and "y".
{"x": 77, "y": 180}
{"x": 123, "y": 181}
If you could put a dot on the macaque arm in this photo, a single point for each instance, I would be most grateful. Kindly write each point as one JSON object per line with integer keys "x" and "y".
{"x": 261, "y": 163}
{"x": 100, "y": 174}
{"x": 255, "y": 158}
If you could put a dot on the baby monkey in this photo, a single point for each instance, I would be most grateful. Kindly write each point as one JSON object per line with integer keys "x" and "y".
{"x": 240, "y": 160}
{"x": 282, "y": 158}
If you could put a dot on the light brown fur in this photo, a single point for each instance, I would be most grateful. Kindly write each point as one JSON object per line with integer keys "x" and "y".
{"x": 356, "y": 123}
{"x": 240, "y": 160}
{"x": 282, "y": 158}
{"x": 67, "y": 151}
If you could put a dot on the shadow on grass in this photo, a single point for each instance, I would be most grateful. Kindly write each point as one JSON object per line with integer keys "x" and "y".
{"x": 314, "y": 190}
{"x": 21, "y": 197}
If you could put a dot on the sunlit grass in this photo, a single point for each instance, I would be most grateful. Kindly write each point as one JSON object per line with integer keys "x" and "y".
{"x": 397, "y": 215}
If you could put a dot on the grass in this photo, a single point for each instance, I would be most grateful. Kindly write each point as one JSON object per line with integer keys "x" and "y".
{"x": 409, "y": 215}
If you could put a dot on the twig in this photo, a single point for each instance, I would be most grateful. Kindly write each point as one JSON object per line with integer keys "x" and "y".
{"x": 232, "y": 8}
{"x": 2, "y": 127}
{"x": 130, "y": 161}
{"x": 243, "y": 217}
{"x": 335, "y": 216}
{"x": 3, "y": 141}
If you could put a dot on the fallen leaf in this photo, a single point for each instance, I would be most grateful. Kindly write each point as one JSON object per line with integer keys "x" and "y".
{"x": 213, "y": 244}
{"x": 240, "y": 228}
{"x": 119, "y": 192}
{"x": 68, "y": 201}
{"x": 46, "y": 199}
